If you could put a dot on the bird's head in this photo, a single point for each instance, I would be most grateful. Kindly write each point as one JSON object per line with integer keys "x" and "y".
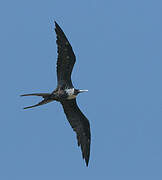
{"x": 77, "y": 91}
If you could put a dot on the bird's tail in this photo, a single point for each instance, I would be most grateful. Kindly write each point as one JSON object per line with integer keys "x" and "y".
{"x": 44, "y": 101}
{"x": 44, "y": 95}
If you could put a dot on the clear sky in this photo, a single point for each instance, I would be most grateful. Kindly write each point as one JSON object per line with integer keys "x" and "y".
{"x": 118, "y": 46}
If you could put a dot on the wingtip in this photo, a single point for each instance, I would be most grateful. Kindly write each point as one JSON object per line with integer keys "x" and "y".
{"x": 87, "y": 161}
{"x": 56, "y": 24}
{"x": 57, "y": 28}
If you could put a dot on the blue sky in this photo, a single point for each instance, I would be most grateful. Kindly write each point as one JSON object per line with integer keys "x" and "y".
{"x": 118, "y": 45}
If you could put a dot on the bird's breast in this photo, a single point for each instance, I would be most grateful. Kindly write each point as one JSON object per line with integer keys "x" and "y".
{"x": 70, "y": 93}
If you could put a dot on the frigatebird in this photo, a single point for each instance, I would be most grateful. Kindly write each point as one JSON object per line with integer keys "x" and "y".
{"x": 65, "y": 93}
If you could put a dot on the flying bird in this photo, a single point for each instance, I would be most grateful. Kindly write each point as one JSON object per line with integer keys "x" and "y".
{"x": 66, "y": 94}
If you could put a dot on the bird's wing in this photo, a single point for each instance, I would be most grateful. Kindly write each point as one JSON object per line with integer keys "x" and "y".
{"x": 80, "y": 125}
{"x": 66, "y": 59}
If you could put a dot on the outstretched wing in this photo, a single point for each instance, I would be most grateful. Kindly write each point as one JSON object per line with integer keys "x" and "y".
{"x": 80, "y": 125}
{"x": 66, "y": 59}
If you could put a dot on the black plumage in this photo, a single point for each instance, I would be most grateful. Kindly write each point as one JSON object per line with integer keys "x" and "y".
{"x": 80, "y": 125}
{"x": 66, "y": 94}
{"x": 66, "y": 58}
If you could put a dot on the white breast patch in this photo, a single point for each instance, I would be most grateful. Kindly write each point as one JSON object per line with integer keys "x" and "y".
{"x": 70, "y": 93}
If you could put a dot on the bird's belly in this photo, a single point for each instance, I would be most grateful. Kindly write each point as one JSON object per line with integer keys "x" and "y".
{"x": 71, "y": 96}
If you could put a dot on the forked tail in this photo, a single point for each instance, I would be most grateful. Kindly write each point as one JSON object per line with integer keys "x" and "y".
{"x": 46, "y": 99}
{"x": 44, "y": 95}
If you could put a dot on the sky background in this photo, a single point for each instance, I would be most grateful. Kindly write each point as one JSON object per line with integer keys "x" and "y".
{"x": 118, "y": 46}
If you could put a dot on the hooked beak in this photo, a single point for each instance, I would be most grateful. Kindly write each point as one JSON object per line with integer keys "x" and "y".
{"x": 85, "y": 90}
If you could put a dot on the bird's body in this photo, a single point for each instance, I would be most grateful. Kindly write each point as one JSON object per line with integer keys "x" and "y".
{"x": 66, "y": 94}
